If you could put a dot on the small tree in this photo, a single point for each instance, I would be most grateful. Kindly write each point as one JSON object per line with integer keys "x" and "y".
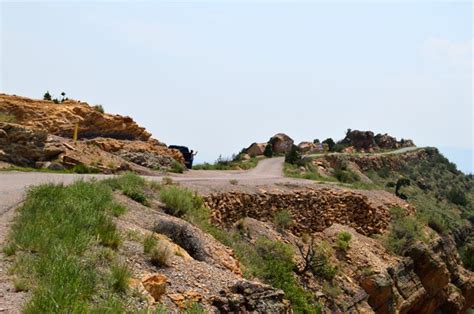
{"x": 268, "y": 152}
{"x": 401, "y": 183}
{"x": 63, "y": 95}
{"x": 330, "y": 142}
{"x": 293, "y": 156}
{"x": 283, "y": 219}
{"x": 316, "y": 141}
{"x": 47, "y": 96}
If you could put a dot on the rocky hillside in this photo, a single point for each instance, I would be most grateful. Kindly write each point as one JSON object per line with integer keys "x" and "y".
{"x": 38, "y": 133}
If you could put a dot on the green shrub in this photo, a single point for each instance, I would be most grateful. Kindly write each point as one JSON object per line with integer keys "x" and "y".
{"x": 404, "y": 231}
{"x": 330, "y": 143}
{"x": 344, "y": 174}
{"x": 228, "y": 164}
{"x": 177, "y": 167}
{"x": 293, "y": 156}
{"x": 338, "y": 148}
{"x": 283, "y": 219}
{"x": 132, "y": 185}
{"x": 119, "y": 277}
{"x": 456, "y": 196}
{"x": 321, "y": 264}
{"x": 98, "y": 108}
{"x": 179, "y": 201}
{"x": 275, "y": 266}
{"x": 84, "y": 169}
{"x": 343, "y": 240}
{"x": 467, "y": 255}
{"x": 47, "y": 96}
{"x": 268, "y": 152}
{"x": 194, "y": 308}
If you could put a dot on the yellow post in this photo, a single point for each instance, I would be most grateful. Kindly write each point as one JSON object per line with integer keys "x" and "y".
{"x": 76, "y": 129}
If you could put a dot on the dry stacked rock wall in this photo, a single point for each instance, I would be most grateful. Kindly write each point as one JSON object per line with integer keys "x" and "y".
{"x": 311, "y": 210}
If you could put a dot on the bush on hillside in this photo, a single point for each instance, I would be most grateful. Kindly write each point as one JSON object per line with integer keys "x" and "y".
{"x": 268, "y": 152}
{"x": 456, "y": 196}
{"x": 404, "y": 231}
{"x": 179, "y": 201}
{"x": 98, "y": 108}
{"x": 344, "y": 174}
{"x": 330, "y": 143}
{"x": 293, "y": 156}
{"x": 283, "y": 219}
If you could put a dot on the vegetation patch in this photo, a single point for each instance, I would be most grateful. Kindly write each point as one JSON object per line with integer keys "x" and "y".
{"x": 132, "y": 185}
{"x": 57, "y": 238}
{"x": 404, "y": 231}
{"x": 343, "y": 240}
{"x": 235, "y": 163}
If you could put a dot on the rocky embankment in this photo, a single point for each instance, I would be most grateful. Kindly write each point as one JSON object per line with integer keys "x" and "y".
{"x": 38, "y": 133}
{"x": 428, "y": 277}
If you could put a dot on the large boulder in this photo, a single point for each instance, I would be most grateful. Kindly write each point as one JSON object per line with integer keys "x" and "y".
{"x": 256, "y": 149}
{"x": 281, "y": 143}
{"x": 386, "y": 141}
{"x": 309, "y": 148}
{"x": 24, "y": 146}
{"x": 251, "y": 297}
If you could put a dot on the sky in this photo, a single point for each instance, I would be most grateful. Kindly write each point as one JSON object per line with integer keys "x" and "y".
{"x": 219, "y": 75}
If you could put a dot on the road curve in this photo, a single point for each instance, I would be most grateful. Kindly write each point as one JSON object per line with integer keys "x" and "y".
{"x": 14, "y": 184}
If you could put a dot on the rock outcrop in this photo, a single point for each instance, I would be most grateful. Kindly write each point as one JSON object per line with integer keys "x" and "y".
{"x": 281, "y": 143}
{"x": 309, "y": 148}
{"x": 256, "y": 149}
{"x": 251, "y": 297}
{"x": 60, "y": 119}
{"x": 39, "y": 134}
{"x": 367, "y": 141}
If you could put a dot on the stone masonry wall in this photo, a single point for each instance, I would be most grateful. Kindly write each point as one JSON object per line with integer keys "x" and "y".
{"x": 311, "y": 210}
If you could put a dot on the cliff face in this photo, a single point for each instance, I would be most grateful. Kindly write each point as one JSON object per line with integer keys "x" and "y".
{"x": 39, "y": 134}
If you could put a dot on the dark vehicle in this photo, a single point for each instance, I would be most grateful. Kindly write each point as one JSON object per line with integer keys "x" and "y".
{"x": 187, "y": 155}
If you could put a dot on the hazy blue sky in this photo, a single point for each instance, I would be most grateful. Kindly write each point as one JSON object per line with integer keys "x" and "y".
{"x": 218, "y": 76}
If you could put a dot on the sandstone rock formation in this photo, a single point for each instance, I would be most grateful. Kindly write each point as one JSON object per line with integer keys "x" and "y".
{"x": 366, "y": 140}
{"x": 60, "y": 119}
{"x": 155, "y": 284}
{"x": 251, "y": 297}
{"x": 281, "y": 143}
{"x": 40, "y": 135}
{"x": 256, "y": 149}
{"x": 309, "y": 148}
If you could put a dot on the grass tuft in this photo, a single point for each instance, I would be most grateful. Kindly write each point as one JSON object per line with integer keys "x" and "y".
{"x": 119, "y": 278}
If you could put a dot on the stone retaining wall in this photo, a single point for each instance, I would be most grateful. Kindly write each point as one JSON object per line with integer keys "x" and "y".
{"x": 311, "y": 210}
